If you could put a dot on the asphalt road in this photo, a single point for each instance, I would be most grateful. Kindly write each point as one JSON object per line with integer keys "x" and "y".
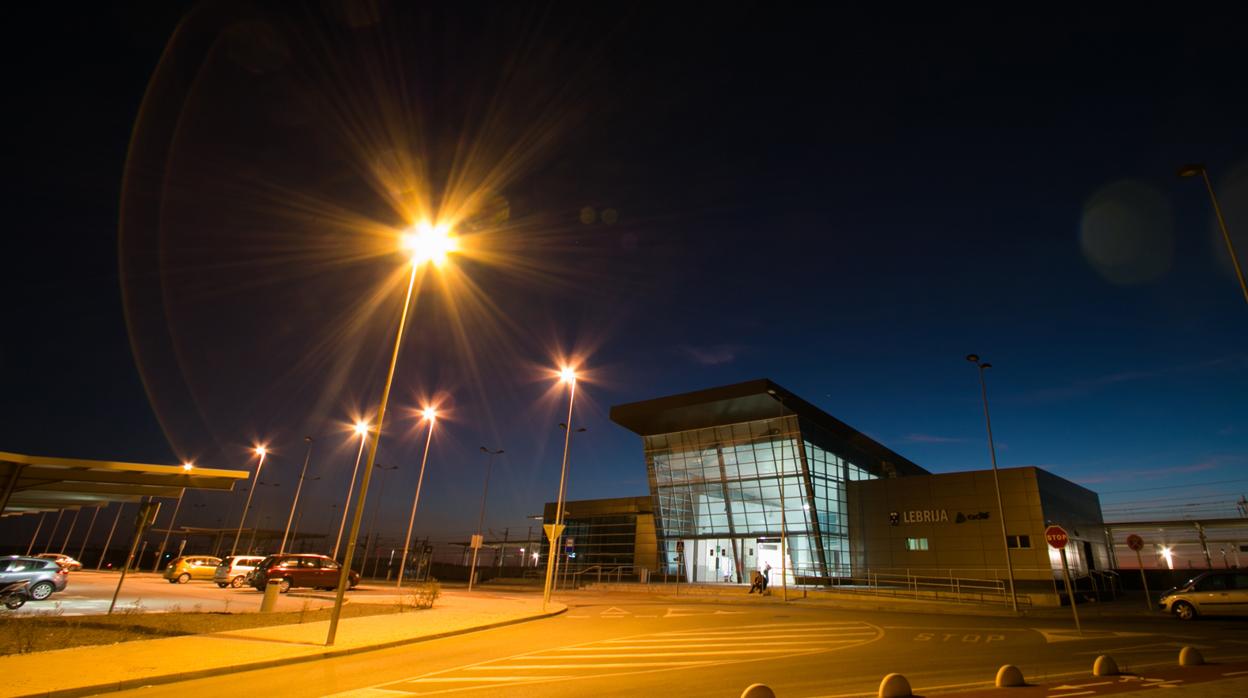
{"x": 622, "y": 645}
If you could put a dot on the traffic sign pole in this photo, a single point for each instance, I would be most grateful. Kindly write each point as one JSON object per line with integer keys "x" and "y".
{"x": 1136, "y": 543}
{"x": 1057, "y": 538}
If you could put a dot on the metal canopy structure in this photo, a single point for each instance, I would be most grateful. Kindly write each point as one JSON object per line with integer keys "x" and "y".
{"x": 34, "y": 484}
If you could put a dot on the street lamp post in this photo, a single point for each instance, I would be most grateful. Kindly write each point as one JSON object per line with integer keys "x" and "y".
{"x": 1199, "y": 169}
{"x": 431, "y": 243}
{"x": 262, "y": 452}
{"x": 298, "y": 488}
{"x": 554, "y": 531}
{"x": 432, "y": 415}
{"x": 370, "y": 543}
{"x": 172, "y": 519}
{"x": 480, "y": 538}
{"x": 361, "y": 430}
{"x": 996, "y": 478}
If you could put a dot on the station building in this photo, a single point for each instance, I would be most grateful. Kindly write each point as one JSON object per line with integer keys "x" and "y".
{"x": 733, "y": 469}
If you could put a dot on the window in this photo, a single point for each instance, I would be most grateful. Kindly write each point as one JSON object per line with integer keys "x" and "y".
{"x": 1018, "y": 541}
{"x": 916, "y": 544}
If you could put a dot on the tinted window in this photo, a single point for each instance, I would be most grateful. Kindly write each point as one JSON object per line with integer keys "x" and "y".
{"x": 1214, "y": 582}
{"x": 289, "y": 562}
{"x": 1241, "y": 581}
{"x": 311, "y": 563}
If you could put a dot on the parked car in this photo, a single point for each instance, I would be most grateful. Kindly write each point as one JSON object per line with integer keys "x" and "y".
{"x": 181, "y": 570}
{"x": 66, "y": 562}
{"x": 44, "y": 576}
{"x": 1221, "y": 593}
{"x": 316, "y": 571}
{"x": 233, "y": 570}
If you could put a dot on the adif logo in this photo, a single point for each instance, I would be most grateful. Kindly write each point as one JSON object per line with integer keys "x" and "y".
{"x": 893, "y": 518}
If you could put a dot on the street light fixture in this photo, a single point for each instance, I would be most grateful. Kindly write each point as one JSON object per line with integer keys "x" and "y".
{"x": 996, "y": 478}
{"x": 262, "y": 452}
{"x": 1200, "y": 170}
{"x": 567, "y": 375}
{"x": 430, "y": 243}
{"x": 361, "y": 430}
{"x": 431, "y": 415}
{"x": 298, "y": 488}
{"x": 480, "y": 537}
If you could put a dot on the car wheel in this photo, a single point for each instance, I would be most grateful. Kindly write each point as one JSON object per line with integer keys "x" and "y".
{"x": 236, "y": 582}
{"x": 41, "y": 590}
{"x": 14, "y": 601}
{"x": 283, "y": 586}
{"x": 222, "y": 585}
{"x": 1184, "y": 610}
{"x": 184, "y": 578}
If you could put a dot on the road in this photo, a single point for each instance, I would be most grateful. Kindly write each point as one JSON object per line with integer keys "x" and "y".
{"x": 622, "y": 645}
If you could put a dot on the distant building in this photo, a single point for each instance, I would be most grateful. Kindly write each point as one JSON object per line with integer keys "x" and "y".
{"x": 731, "y": 468}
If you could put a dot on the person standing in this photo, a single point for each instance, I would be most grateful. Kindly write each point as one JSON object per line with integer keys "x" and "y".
{"x": 766, "y": 576}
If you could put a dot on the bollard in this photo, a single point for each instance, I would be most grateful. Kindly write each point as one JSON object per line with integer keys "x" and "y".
{"x": 1190, "y": 656}
{"x": 1009, "y": 676}
{"x": 271, "y": 591}
{"x": 758, "y": 690}
{"x": 894, "y": 686}
{"x": 1105, "y": 666}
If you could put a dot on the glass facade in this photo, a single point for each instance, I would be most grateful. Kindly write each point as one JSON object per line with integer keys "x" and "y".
{"x": 724, "y": 495}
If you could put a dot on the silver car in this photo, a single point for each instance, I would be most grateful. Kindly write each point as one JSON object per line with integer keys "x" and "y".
{"x": 233, "y": 569}
{"x": 44, "y": 576}
{"x": 1215, "y": 593}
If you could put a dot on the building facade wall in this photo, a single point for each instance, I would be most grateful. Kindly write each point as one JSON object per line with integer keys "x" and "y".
{"x": 948, "y": 524}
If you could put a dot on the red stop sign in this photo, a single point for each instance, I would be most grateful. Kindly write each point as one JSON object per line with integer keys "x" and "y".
{"x": 1056, "y": 536}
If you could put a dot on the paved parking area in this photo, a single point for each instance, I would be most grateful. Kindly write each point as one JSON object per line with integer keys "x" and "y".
{"x": 90, "y": 592}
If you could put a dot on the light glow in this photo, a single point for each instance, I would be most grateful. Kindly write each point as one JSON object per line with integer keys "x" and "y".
{"x": 429, "y": 413}
{"x": 261, "y": 451}
{"x": 429, "y": 242}
{"x": 361, "y": 428}
{"x": 567, "y": 374}
{"x": 188, "y": 466}
{"x": 1168, "y": 554}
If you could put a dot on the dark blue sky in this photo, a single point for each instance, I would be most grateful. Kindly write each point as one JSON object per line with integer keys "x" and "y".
{"x": 844, "y": 203}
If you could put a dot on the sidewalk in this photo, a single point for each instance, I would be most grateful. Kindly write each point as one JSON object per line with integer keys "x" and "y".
{"x": 88, "y": 670}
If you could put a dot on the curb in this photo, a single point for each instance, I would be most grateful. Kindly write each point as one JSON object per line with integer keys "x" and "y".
{"x": 269, "y": 664}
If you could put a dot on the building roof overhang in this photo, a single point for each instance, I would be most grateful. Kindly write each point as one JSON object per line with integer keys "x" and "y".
{"x": 33, "y": 484}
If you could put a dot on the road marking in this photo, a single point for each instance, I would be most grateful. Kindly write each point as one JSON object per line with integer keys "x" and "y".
{"x": 614, "y": 612}
{"x": 1052, "y": 635}
{"x": 646, "y": 653}
{"x": 1066, "y": 695}
{"x": 1069, "y": 687}
{"x": 1150, "y": 647}
{"x": 1235, "y": 673}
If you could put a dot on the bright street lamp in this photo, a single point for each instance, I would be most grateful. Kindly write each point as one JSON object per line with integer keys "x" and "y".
{"x": 298, "y": 488}
{"x": 429, "y": 243}
{"x": 996, "y": 479}
{"x": 1199, "y": 169}
{"x": 567, "y": 375}
{"x": 361, "y": 430}
{"x": 480, "y": 537}
{"x": 431, "y": 415}
{"x": 262, "y": 452}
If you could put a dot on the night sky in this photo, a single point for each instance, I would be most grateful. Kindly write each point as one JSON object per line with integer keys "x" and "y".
{"x": 200, "y": 199}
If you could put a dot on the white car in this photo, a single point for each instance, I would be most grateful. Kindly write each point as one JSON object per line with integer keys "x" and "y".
{"x": 233, "y": 569}
{"x": 66, "y": 562}
{"x": 1221, "y": 593}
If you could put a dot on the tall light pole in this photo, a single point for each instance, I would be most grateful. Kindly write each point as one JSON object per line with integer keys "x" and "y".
{"x": 262, "y": 452}
{"x": 433, "y": 244}
{"x": 298, "y": 488}
{"x": 361, "y": 430}
{"x": 186, "y": 467}
{"x": 431, "y": 415}
{"x": 1199, "y": 169}
{"x": 996, "y": 478}
{"x": 554, "y": 531}
{"x": 480, "y": 537}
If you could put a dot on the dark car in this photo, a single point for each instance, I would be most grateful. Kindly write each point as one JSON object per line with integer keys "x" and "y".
{"x": 315, "y": 571}
{"x": 44, "y": 576}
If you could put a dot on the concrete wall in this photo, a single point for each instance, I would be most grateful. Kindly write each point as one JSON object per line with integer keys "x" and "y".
{"x": 957, "y": 514}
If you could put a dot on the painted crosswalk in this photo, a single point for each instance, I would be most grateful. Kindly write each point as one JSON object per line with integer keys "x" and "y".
{"x": 650, "y": 652}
